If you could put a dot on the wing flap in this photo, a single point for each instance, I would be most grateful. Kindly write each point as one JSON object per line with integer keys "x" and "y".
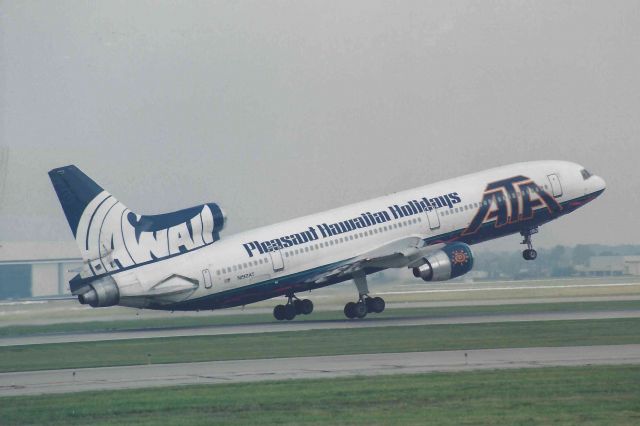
{"x": 398, "y": 254}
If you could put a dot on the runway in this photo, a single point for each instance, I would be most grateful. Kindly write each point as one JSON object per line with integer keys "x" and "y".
{"x": 130, "y": 377}
{"x": 310, "y": 325}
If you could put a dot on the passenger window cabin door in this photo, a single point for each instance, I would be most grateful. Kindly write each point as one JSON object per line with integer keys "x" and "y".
{"x": 556, "y": 186}
{"x": 276, "y": 259}
{"x": 206, "y": 278}
{"x": 433, "y": 218}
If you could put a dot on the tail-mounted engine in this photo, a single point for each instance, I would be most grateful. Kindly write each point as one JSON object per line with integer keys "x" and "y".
{"x": 102, "y": 292}
{"x": 447, "y": 263}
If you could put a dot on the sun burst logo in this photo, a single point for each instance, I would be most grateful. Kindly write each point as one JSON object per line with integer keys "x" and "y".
{"x": 459, "y": 257}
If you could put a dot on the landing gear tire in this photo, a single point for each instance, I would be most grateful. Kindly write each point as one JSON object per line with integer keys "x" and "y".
{"x": 365, "y": 303}
{"x": 278, "y": 312}
{"x": 360, "y": 310}
{"x": 350, "y": 310}
{"x": 289, "y": 312}
{"x": 369, "y": 302}
{"x": 375, "y": 305}
{"x": 306, "y": 306}
{"x": 293, "y": 308}
{"x": 529, "y": 254}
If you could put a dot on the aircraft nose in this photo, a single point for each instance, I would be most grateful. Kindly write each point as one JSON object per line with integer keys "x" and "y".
{"x": 598, "y": 184}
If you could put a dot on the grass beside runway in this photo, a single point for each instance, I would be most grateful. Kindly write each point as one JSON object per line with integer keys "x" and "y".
{"x": 391, "y": 313}
{"x": 320, "y": 342}
{"x": 575, "y": 395}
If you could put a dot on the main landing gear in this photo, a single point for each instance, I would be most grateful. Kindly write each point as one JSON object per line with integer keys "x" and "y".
{"x": 529, "y": 253}
{"x": 365, "y": 304}
{"x": 293, "y": 307}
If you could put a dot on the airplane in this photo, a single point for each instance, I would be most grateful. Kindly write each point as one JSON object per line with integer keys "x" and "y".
{"x": 177, "y": 261}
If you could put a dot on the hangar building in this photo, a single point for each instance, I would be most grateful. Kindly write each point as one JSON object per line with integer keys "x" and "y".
{"x": 37, "y": 269}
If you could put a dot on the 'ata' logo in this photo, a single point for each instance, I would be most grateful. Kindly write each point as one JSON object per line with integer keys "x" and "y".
{"x": 510, "y": 201}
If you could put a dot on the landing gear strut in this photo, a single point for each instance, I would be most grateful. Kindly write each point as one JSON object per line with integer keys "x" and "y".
{"x": 365, "y": 304}
{"x": 529, "y": 253}
{"x": 293, "y": 307}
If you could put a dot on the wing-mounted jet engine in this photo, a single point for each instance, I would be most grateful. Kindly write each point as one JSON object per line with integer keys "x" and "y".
{"x": 447, "y": 263}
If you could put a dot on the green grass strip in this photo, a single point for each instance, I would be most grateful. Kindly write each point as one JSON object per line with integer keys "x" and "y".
{"x": 576, "y": 395}
{"x": 320, "y": 342}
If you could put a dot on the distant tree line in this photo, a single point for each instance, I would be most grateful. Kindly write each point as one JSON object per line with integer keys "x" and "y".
{"x": 558, "y": 261}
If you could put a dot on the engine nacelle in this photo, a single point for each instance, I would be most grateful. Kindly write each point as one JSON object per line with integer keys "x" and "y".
{"x": 103, "y": 292}
{"x": 447, "y": 263}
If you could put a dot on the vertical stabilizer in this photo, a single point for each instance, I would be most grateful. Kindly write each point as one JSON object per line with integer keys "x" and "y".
{"x": 112, "y": 238}
{"x": 75, "y": 191}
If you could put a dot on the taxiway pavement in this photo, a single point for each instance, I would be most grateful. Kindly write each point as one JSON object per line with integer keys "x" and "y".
{"x": 130, "y": 377}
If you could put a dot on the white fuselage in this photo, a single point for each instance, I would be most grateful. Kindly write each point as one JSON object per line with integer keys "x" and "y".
{"x": 273, "y": 254}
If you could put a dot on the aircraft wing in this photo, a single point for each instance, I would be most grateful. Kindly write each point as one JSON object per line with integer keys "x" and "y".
{"x": 401, "y": 253}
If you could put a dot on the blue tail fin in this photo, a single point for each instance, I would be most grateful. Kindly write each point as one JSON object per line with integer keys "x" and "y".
{"x": 112, "y": 238}
{"x": 75, "y": 191}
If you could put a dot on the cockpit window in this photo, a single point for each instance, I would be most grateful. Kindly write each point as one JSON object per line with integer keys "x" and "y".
{"x": 585, "y": 174}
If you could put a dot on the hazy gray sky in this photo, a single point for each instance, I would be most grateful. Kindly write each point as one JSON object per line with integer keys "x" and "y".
{"x": 276, "y": 109}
